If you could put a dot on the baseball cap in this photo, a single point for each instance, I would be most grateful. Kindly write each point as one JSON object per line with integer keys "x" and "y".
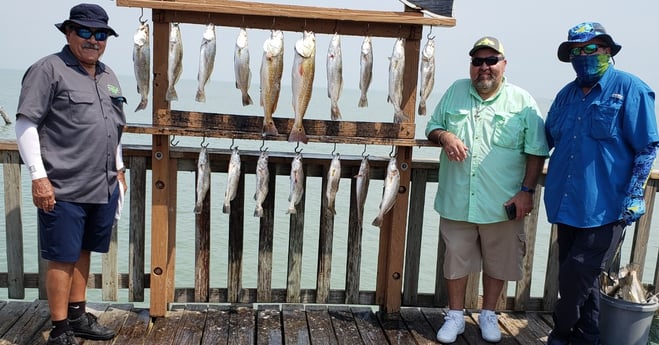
{"x": 487, "y": 42}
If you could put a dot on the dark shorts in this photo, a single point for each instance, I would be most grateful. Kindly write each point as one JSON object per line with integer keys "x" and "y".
{"x": 72, "y": 227}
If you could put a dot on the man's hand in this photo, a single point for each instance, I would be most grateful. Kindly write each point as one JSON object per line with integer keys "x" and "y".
{"x": 43, "y": 194}
{"x": 633, "y": 209}
{"x": 121, "y": 177}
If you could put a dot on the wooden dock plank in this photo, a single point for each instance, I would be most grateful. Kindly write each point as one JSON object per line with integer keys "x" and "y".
{"x": 344, "y": 325}
{"x": 526, "y": 331}
{"x": 395, "y": 329}
{"x": 217, "y": 326}
{"x": 268, "y": 322}
{"x": 320, "y": 325}
{"x": 162, "y": 329}
{"x": 29, "y": 324}
{"x": 191, "y": 327}
{"x": 368, "y": 326}
{"x": 419, "y": 327}
{"x": 136, "y": 326}
{"x": 10, "y": 314}
{"x": 241, "y": 326}
{"x": 112, "y": 316}
{"x": 295, "y": 324}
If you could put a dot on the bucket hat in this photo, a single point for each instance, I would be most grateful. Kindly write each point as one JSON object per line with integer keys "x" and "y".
{"x": 88, "y": 15}
{"x": 585, "y": 32}
{"x": 487, "y": 42}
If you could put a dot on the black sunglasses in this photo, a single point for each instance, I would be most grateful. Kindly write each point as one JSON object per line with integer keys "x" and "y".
{"x": 85, "y": 33}
{"x": 490, "y": 61}
{"x": 587, "y": 49}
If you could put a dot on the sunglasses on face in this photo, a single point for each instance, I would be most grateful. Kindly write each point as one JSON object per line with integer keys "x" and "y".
{"x": 587, "y": 49}
{"x": 85, "y": 33}
{"x": 490, "y": 61}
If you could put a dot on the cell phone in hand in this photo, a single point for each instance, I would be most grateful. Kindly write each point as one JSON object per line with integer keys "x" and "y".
{"x": 511, "y": 211}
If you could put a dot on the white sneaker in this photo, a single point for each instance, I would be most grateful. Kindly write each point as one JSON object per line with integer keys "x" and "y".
{"x": 489, "y": 325}
{"x": 454, "y": 325}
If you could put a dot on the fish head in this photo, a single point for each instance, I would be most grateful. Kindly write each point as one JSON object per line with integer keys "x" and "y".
{"x": 274, "y": 45}
{"x": 174, "y": 33}
{"x": 306, "y": 46}
{"x": 241, "y": 41}
{"x": 141, "y": 37}
{"x": 209, "y": 34}
{"x": 399, "y": 48}
{"x": 429, "y": 49}
{"x": 366, "y": 45}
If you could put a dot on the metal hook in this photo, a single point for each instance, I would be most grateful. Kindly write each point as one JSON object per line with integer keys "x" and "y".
{"x": 428, "y": 36}
{"x": 232, "y": 142}
{"x": 142, "y": 21}
{"x": 336, "y": 26}
{"x": 273, "y": 23}
{"x": 296, "y": 148}
{"x": 172, "y": 141}
{"x": 334, "y": 150}
{"x": 391, "y": 154}
{"x": 203, "y": 141}
{"x": 263, "y": 144}
{"x": 364, "y": 152}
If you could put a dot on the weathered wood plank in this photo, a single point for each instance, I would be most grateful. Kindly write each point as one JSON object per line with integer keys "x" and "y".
{"x": 10, "y": 314}
{"x": 111, "y": 316}
{"x": 550, "y": 295}
{"x": 190, "y": 328}
{"x": 269, "y": 326}
{"x": 216, "y": 330}
{"x": 295, "y": 324}
{"x": 354, "y": 243}
{"x": 643, "y": 227}
{"x": 137, "y": 229}
{"x": 441, "y": 289}
{"x": 236, "y": 241}
{"x": 266, "y": 240}
{"x": 419, "y": 327}
{"x": 202, "y": 244}
{"x": 110, "y": 268}
{"x": 344, "y": 325}
{"x": 523, "y": 287}
{"x": 414, "y": 236}
{"x": 320, "y": 325}
{"x": 295, "y": 247}
{"x": 368, "y": 326}
{"x": 11, "y": 171}
{"x": 27, "y": 325}
{"x": 135, "y": 327}
{"x": 171, "y": 242}
{"x": 394, "y": 328}
{"x": 241, "y": 326}
{"x": 161, "y": 332}
{"x": 325, "y": 238}
{"x": 527, "y": 330}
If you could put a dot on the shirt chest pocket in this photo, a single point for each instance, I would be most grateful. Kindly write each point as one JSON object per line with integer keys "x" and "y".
{"x": 456, "y": 122}
{"x": 604, "y": 118}
{"x": 81, "y": 108}
{"x": 508, "y": 131}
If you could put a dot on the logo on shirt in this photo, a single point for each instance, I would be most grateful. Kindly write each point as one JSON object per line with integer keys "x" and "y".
{"x": 113, "y": 89}
{"x": 617, "y": 96}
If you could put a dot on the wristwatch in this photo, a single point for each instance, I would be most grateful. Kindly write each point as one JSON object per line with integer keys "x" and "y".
{"x": 527, "y": 189}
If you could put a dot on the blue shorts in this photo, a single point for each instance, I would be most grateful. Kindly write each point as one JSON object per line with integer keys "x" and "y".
{"x": 72, "y": 227}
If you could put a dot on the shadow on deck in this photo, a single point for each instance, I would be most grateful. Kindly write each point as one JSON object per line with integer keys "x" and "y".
{"x": 28, "y": 323}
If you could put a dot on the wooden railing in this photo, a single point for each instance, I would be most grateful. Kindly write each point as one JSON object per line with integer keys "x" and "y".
{"x": 138, "y": 160}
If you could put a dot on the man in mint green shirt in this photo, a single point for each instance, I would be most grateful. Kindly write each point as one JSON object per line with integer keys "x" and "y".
{"x": 493, "y": 151}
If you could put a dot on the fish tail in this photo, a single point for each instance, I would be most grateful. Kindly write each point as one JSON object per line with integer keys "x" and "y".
{"x": 269, "y": 127}
{"x": 197, "y": 208}
{"x": 291, "y": 210}
{"x": 298, "y": 134}
{"x": 336, "y": 113}
{"x": 247, "y": 100}
{"x": 258, "y": 212}
{"x": 142, "y": 105}
{"x": 422, "y": 108}
{"x": 171, "y": 94}
{"x": 377, "y": 221}
{"x": 226, "y": 208}
{"x": 201, "y": 96}
{"x": 332, "y": 209}
{"x": 363, "y": 101}
{"x": 400, "y": 117}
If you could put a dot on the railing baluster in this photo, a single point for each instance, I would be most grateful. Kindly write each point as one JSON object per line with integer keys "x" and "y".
{"x": 137, "y": 228}
{"x": 414, "y": 236}
{"x": 14, "y": 223}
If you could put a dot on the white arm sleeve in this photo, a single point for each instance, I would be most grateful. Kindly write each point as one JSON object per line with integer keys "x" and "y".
{"x": 120, "y": 157}
{"x": 27, "y": 139}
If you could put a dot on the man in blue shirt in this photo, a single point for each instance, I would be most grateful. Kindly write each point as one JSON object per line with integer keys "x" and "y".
{"x": 603, "y": 132}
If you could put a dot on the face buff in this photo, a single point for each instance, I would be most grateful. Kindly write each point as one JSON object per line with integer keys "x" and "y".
{"x": 590, "y": 68}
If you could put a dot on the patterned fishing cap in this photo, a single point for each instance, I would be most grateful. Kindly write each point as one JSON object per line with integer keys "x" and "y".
{"x": 585, "y": 32}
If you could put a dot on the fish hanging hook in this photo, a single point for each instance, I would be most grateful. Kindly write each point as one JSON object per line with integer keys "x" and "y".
{"x": 391, "y": 154}
{"x": 334, "y": 150}
{"x": 261, "y": 149}
{"x": 336, "y": 27}
{"x": 296, "y": 147}
{"x": 172, "y": 141}
{"x": 429, "y": 36}
{"x": 142, "y": 21}
{"x": 233, "y": 140}
{"x": 203, "y": 140}
{"x": 364, "y": 152}
{"x": 273, "y": 23}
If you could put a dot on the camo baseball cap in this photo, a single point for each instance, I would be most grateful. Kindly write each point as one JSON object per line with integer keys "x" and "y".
{"x": 487, "y": 42}
{"x": 585, "y": 32}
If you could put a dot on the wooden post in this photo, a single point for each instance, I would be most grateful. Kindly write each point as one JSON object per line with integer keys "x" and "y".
{"x": 14, "y": 235}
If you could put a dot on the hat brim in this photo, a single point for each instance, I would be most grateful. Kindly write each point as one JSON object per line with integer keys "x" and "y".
{"x": 89, "y": 24}
{"x": 477, "y": 48}
{"x": 564, "y": 48}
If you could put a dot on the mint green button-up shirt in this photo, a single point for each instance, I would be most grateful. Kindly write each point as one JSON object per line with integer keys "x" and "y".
{"x": 499, "y": 133}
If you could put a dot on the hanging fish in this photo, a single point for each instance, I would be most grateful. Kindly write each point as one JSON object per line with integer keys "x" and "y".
{"x": 203, "y": 178}
{"x": 175, "y": 61}
{"x": 427, "y": 74}
{"x": 297, "y": 184}
{"x": 262, "y": 181}
{"x": 365, "y": 70}
{"x": 241, "y": 66}
{"x": 396, "y": 70}
{"x": 363, "y": 180}
{"x": 333, "y": 179}
{"x": 334, "y": 75}
{"x": 142, "y": 63}
{"x": 304, "y": 65}
{"x": 233, "y": 177}
{"x": 391, "y": 184}
{"x": 206, "y": 61}
{"x": 272, "y": 66}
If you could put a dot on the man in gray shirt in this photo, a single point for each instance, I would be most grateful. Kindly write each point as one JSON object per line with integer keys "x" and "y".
{"x": 68, "y": 128}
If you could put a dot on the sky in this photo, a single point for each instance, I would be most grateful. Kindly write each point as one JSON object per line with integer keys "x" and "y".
{"x": 529, "y": 30}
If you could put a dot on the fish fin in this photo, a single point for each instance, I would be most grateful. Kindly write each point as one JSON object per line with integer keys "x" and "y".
{"x": 291, "y": 210}
{"x": 247, "y": 100}
{"x": 258, "y": 212}
{"x": 142, "y": 105}
{"x": 377, "y": 221}
{"x": 422, "y": 108}
{"x": 363, "y": 102}
{"x": 197, "y": 209}
{"x": 298, "y": 134}
{"x": 226, "y": 208}
{"x": 201, "y": 96}
{"x": 400, "y": 117}
{"x": 336, "y": 113}
{"x": 269, "y": 128}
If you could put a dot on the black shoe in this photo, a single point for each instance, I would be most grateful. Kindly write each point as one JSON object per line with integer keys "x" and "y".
{"x": 66, "y": 338}
{"x": 87, "y": 327}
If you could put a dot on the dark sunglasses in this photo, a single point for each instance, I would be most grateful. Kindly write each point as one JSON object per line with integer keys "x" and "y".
{"x": 490, "y": 61}
{"x": 85, "y": 33}
{"x": 587, "y": 49}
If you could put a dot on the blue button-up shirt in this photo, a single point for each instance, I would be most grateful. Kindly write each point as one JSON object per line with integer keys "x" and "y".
{"x": 595, "y": 139}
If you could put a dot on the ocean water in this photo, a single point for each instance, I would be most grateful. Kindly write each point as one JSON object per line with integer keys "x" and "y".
{"x": 222, "y": 97}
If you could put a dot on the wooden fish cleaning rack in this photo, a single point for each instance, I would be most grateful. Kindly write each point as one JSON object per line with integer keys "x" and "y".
{"x": 407, "y": 24}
